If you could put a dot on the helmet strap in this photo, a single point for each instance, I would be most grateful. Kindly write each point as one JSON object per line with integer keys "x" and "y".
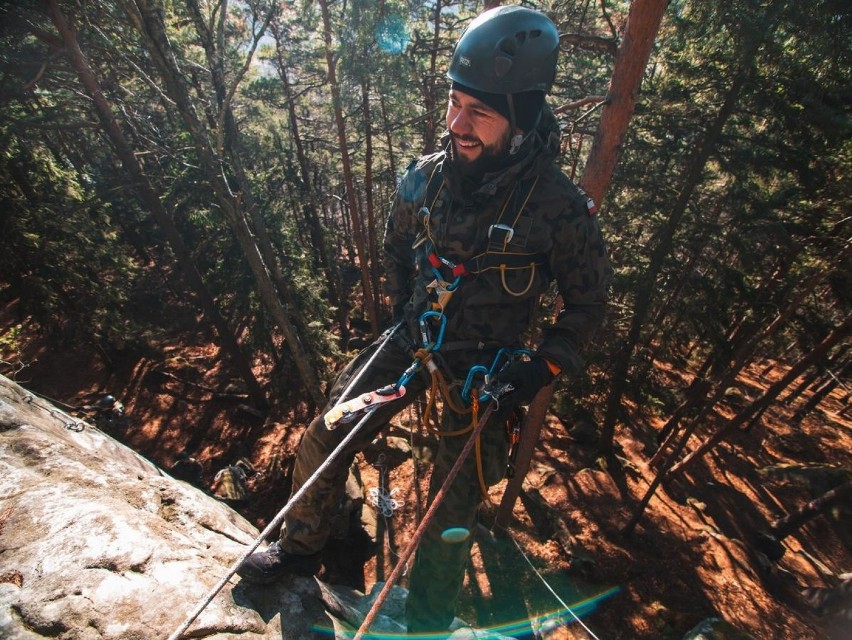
{"x": 517, "y": 138}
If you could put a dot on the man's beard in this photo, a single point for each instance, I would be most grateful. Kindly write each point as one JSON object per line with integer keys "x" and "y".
{"x": 490, "y": 158}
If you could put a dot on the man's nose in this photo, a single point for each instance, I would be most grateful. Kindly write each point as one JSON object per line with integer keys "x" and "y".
{"x": 460, "y": 122}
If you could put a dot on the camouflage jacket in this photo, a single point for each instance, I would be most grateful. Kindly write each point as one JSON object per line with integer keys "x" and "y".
{"x": 545, "y": 232}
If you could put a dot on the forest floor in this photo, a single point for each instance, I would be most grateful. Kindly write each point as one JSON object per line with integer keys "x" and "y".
{"x": 695, "y": 554}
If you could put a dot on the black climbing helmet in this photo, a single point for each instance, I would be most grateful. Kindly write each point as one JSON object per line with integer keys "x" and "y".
{"x": 507, "y": 50}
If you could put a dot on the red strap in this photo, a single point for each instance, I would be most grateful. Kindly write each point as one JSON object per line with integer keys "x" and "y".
{"x": 434, "y": 260}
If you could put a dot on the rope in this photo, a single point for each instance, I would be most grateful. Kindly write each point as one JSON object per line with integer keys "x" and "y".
{"x": 384, "y": 502}
{"x": 207, "y": 599}
{"x": 354, "y": 381}
{"x": 438, "y": 381}
{"x": 506, "y": 288}
{"x": 379, "y": 497}
{"x": 421, "y": 529}
{"x": 549, "y": 588}
{"x": 69, "y": 422}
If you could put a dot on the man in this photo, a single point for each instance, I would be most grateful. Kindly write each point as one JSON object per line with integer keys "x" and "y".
{"x": 475, "y": 235}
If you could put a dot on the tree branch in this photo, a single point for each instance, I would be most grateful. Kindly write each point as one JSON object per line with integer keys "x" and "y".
{"x": 608, "y": 46}
{"x": 576, "y": 104}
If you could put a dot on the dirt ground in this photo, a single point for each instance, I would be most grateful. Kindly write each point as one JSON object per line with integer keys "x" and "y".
{"x": 696, "y": 553}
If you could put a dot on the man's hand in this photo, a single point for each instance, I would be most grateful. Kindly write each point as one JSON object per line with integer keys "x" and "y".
{"x": 527, "y": 377}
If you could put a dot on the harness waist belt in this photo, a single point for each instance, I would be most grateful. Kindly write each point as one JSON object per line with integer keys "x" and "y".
{"x": 459, "y": 345}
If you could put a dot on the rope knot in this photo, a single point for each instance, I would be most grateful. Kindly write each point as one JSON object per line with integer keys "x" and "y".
{"x": 423, "y": 355}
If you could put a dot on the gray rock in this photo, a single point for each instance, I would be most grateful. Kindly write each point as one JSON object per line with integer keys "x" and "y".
{"x": 716, "y": 629}
{"x": 97, "y": 542}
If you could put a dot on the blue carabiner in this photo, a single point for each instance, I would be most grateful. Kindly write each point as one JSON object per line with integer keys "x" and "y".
{"x": 509, "y": 354}
{"x": 429, "y": 346}
{"x": 440, "y": 278}
{"x": 469, "y": 380}
{"x": 424, "y": 330}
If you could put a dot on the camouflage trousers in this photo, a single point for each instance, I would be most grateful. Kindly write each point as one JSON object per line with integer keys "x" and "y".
{"x": 438, "y": 572}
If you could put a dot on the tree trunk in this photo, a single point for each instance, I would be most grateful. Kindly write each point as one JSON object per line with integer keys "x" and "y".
{"x": 741, "y": 355}
{"x": 767, "y": 397}
{"x": 624, "y": 88}
{"x": 647, "y": 285}
{"x": 793, "y": 521}
{"x": 152, "y": 203}
{"x": 430, "y": 100}
{"x": 388, "y": 136}
{"x": 643, "y": 22}
{"x": 232, "y": 147}
{"x": 148, "y": 20}
{"x": 832, "y": 382}
{"x": 319, "y": 240}
{"x": 357, "y": 227}
{"x": 368, "y": 187}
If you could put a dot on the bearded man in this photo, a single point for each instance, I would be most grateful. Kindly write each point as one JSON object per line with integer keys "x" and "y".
{"x": 476, "y": 233}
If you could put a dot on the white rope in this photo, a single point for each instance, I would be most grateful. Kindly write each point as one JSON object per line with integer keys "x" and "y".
{"x": 549, "y": 588}
{"x": 276, "y": 521}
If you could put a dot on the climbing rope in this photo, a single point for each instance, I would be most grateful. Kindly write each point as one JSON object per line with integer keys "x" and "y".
{"x": 424, "y": 524}
{"x": 275, "y": 522}
{"x": 549, "y": 588}
{"x": 384, "y": 501}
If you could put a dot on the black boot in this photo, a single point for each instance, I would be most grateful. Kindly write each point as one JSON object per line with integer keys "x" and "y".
{"x": 272, "y": 564}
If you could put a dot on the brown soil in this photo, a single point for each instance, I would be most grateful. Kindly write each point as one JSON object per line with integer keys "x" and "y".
{"x": 695, "y": 554}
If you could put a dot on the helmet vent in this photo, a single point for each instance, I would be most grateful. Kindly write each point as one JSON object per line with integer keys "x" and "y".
{"x": 502, "y": 66}
{"x": 508, "y": 46}
{"x": 535, "y": 33}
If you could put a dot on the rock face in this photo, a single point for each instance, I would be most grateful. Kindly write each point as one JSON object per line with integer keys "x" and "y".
{"x": 97, "y": 542}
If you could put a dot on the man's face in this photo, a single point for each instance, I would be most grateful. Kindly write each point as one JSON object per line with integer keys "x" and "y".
{"x": 480, "y": 136}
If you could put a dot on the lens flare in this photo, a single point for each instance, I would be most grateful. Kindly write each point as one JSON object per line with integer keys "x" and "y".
{"x": 525, "y": 628}
{"x": 392, "y": 34}
{"x": 455, "y": 535}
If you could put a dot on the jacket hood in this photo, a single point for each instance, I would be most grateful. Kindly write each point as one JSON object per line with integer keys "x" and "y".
{"x": 538, "y": 151}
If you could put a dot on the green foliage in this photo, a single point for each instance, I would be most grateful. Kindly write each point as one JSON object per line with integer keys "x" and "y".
{"x": 769, "y": 208}
{"x": 60, "y": 247}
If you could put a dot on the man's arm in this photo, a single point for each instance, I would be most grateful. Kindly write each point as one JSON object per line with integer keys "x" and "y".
{"x": 580, "y": 264}
{"x": 400, "y": 232}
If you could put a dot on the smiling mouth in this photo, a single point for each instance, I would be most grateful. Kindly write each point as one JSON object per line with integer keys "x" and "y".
{"x": 466, "y": 144}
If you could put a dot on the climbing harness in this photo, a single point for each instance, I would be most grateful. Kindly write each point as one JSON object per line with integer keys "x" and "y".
{"x": 496, "y": 255}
